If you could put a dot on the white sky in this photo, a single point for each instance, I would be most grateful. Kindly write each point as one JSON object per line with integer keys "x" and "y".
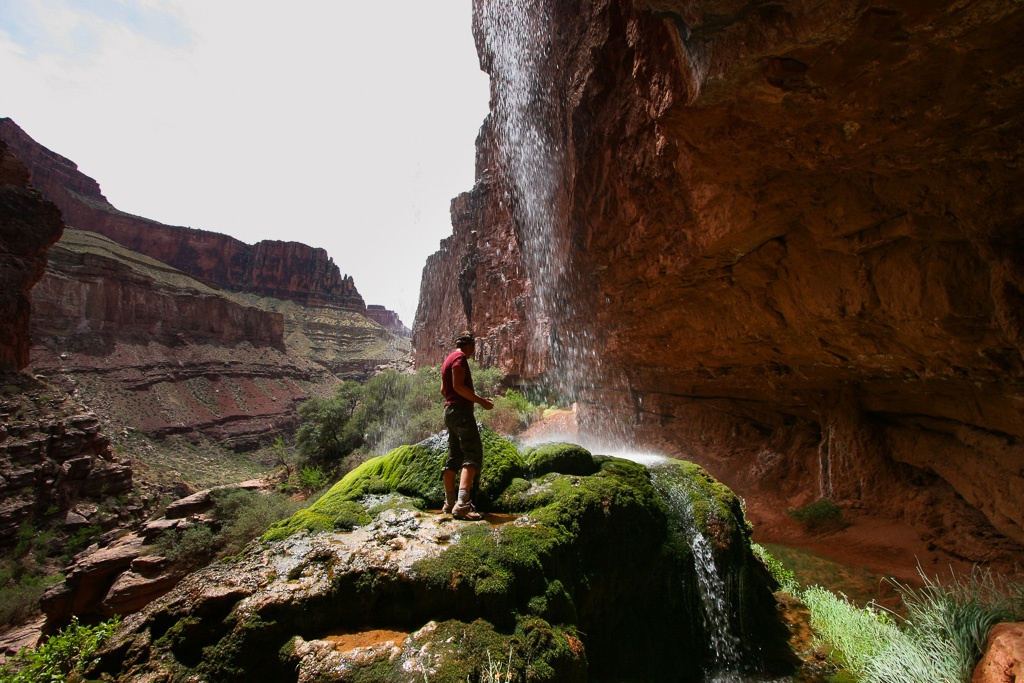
{"x": 345, "y": 125}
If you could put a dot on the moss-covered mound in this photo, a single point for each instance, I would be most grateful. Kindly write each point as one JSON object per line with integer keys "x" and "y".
{"x": 567, "y": 458}
{"x": 410, "y": 470}
{"x": 587, "y": 576}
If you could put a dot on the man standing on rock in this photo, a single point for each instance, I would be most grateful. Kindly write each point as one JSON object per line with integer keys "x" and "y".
{"x": 465, "y": 450}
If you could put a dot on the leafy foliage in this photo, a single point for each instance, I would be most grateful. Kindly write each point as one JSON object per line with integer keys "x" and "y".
{"x": 393, "y": 409}
{"x": 821, "y": 515}
{"x": 61, "y": 656}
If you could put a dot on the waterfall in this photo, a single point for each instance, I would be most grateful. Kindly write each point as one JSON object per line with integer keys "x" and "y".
{"x": 719, "y": 611}
{"x": 528, "y": 119}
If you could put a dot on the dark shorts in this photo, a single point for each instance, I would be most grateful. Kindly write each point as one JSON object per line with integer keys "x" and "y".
{"x": 465, "y": 447}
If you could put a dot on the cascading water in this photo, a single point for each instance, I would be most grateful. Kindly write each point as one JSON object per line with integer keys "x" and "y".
{"x": 528, "y": 117}
{"x": 719, "y": 611}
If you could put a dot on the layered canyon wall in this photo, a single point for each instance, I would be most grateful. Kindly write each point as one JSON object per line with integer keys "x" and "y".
{"x": 782, "y": 240}
{"x": 285, "y": 270}
{"x": 155, "y": 350}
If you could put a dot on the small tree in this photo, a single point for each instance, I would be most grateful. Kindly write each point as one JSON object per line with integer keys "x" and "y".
{"x": 327, "y": 431}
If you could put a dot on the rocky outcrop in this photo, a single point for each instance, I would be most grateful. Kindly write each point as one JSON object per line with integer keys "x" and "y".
{"x": 123, "y": 573}
{"x": 1003, "y": 659}
{"x": 30, "y": 225}
{"x": 782, "y": 240}
{"x": 95, "y": 288}
{"x": 389, "y": 320}
{"x": 287, "y": 270}
{"x": 53, "y": 454}
{"x": 550, "y": 587}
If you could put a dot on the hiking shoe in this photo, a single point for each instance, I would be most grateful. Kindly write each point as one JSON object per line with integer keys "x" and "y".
{"x": 446, "y": 509}
{"x": 466, "y": 511}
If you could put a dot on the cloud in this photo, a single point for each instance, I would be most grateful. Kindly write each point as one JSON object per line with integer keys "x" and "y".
{"x": 75, "y": 27}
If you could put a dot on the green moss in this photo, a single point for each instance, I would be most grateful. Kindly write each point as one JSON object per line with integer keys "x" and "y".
{"x": 476, "y": 651}
{"x": 413, "y": 471}
{"x": 567, "y": 458}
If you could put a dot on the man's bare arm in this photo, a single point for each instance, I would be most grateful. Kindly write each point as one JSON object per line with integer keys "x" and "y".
{"x": 459, "y": 384}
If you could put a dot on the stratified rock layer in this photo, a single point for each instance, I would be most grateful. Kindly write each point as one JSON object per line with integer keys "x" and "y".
{"x": 789, "y": 238}
{"x": 155, "y": 350}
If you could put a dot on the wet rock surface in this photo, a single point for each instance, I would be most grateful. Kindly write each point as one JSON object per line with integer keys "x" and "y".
{"x": 552, "y": 586}
{"x": 787, "y": 233}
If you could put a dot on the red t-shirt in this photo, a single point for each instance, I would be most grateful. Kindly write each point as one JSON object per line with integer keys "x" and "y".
{"x": 455, "y": 358}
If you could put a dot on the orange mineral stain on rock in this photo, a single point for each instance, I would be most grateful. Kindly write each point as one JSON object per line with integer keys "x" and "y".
{"x": 346, "y": 640}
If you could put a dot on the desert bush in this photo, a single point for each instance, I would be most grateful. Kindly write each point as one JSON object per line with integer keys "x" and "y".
{"x": 19, "y": 595}
{"x": 191, "y": 547}
{"x": 312, "y": 478}
{"x": 821, "y": 515}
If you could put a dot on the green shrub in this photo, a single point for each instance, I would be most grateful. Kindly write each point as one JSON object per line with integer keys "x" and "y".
{"x": 193, "y": 547}
{"x": 19, "y": 598}
{"x": 312, "y": 478}
{"x": 821, "y": 515}
{"x": 511, "y": 413}
{"x": 64, "y": 653}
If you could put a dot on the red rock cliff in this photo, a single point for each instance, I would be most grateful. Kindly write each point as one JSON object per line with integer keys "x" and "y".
{"x": 28, "y": 226}
{"x": 286, "y": 270}
{"x": 785, "y": 242}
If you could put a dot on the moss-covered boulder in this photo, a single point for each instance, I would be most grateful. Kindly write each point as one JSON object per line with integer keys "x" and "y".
{"x": 589, "y": 574}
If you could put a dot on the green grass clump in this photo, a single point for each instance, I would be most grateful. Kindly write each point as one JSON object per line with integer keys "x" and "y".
{"x": 940, "y": 641}
{"x": 784, "y": 577}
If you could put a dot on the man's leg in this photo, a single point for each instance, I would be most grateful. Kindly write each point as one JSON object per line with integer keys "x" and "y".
{"x": 466, "y": 482}
{"x": 453, "y": 463}
{"x": 450, "y": 490}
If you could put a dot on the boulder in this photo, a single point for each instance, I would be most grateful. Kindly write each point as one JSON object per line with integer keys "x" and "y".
{"x": 1003, "y": 661}
{"x": 566, "y": 574}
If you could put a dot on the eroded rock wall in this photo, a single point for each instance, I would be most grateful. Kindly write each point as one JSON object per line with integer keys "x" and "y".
{"x": 28, "y": 226}
{"x": 155, "y": 350}
{"x": 791, "y": 243}
{"x": 287, "y": 270}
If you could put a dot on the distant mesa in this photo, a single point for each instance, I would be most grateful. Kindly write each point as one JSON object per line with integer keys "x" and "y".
{"x": 286, "y": 270}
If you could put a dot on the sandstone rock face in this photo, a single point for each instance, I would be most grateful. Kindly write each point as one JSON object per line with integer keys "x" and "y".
{"x": 30, "y": 225}
{"x": 784, "y": 242}
{"x": 287, "y": 270}
{"x": 93, "y": 286}
{"x": 1004, "y": 655}
{"x": 586, "y": 571}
